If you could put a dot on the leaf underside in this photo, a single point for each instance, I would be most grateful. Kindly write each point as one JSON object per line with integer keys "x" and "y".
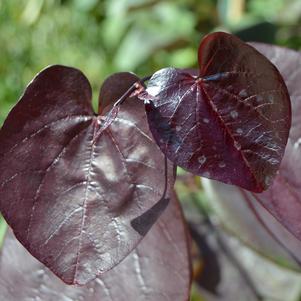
{"x": 71, "y": 184}
{"x": 158, "y": 269}
{"x": 231, "y": 122}
{"x": 247, "y": 219}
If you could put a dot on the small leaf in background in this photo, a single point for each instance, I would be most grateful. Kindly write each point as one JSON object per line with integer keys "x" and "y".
{"x": 231, "y": 122}
{"x": 72, "y": 189}
{"x": 158, "y": 269}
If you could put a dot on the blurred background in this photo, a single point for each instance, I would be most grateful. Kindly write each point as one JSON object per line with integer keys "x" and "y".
{"x": 101, "y": 37}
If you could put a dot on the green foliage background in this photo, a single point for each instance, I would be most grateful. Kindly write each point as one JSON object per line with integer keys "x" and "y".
{"x": 103, "y": 37}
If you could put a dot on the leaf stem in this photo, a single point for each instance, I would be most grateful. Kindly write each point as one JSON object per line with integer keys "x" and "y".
{"x": 138, "y": 85}
{"x": 136, "y": 88}
{"x": 145, "y": 79}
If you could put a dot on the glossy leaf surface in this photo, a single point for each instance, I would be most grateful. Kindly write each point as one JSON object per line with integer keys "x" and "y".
{"x": 231, "y": 122}
{"x": 283, "y": 198}
{"x": 73, "y": 189}
{"x": 158, "y": 269}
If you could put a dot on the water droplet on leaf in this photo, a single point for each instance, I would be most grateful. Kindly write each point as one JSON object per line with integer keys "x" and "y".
{"x": 222, "y": 164}
{"x": 239, "y": 131}
{"x": 271, "y": 98}
{"x": 259, "y": 98}
{"x": 273, "y": 161}
{"x": 234, "y": 114}
{"x": 237, "y": 145}
{"x": 202, "y": 159}
{"x": 243, "y": 93}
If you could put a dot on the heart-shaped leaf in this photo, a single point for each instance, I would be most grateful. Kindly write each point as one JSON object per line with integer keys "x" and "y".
{"x": 229, "y": 123}
{"x": 79, "y": 190}
{"x": 158, "y": 269}
{"x": 283, "y": 198}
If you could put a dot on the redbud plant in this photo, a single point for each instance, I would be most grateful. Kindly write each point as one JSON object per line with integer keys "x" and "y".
{"x": 91, "y": 195}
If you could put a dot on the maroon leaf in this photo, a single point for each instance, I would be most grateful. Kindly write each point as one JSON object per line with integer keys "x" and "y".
{"x": 231, "y": 122}
{"x": 72, "y": 183}
{"x": 158, "y": 269}
{"x": 283, "y": 199}
{"x": 113, "y": 88}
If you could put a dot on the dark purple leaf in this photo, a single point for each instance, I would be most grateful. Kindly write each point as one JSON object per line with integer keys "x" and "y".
{"x": 72, "y": 183}
{"x": 231, "y": 122}
{"x": 113, "y": 88}
{"x": 158, "y": 269}
{"x": 283, "y": 199}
